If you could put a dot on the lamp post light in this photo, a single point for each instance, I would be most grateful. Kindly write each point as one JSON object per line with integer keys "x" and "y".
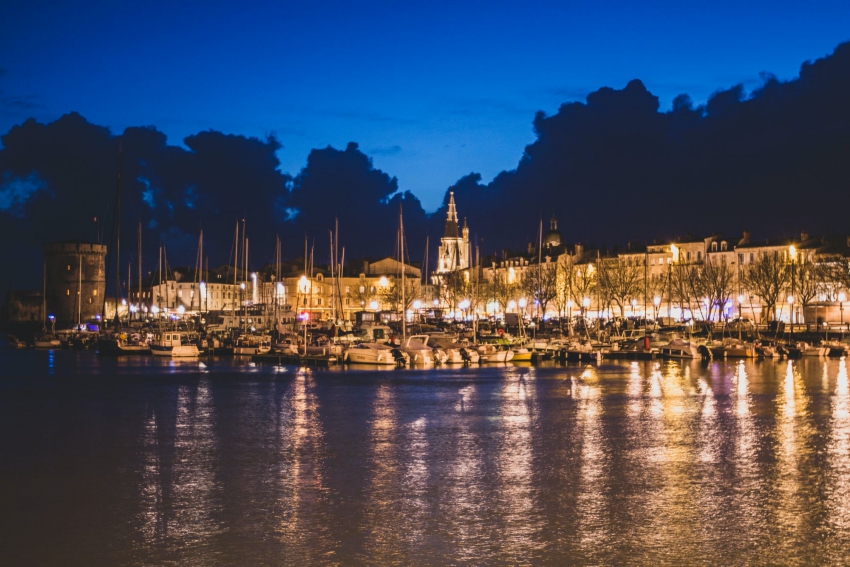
{"x": 634, "y": 306}
{"x": 522, "y": 303}
{"x": 841, "y": 299}
{"x": 791, "y": 304}
{"x": 464, "y": 305}
{"x": 792, "y": 253}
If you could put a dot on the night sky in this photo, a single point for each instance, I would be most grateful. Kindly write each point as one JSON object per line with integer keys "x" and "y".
{"x": 252, "y": 99}
{"x": 431, "y": 90}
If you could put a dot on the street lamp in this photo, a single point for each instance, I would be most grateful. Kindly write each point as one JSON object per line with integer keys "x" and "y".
{"x": 656, "y": 301}
{"x": 792, "y": 253}
{"x": 373, "y": 305}
{"x": 634, "y": 305}
{"x": 841, "y": 299}
{"x": 464, "y": 305}
{"x": 791, "y": 305}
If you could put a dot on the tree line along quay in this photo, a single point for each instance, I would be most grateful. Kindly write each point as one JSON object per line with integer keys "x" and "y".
{"x": 800, "y": 280}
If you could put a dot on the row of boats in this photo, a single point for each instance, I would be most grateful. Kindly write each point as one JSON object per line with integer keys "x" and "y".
{"x": 377, "y": 346}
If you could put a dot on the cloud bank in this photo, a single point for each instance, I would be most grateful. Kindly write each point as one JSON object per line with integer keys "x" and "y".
{"x": 612, "y": 168}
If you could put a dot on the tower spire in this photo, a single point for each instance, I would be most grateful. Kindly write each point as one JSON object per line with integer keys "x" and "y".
{"x": 451, "y": 218}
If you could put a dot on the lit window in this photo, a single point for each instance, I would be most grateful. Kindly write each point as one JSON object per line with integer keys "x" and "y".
{"x": 69, "y": 267}
{"x": 67, "y": 292}
{"x": 94, "y": 293}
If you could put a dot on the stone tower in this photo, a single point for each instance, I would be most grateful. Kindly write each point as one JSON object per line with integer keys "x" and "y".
{"x": 72, "y": 268}
{"x": 454, "y": 248}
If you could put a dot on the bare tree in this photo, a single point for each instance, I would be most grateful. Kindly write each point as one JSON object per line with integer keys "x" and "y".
{"x": 363, "y": 293}
{"x": 583, "y": 284}
{"x": 454, "y": 287}
{"x": 391, "y": 295}
{"x": 768, "y": 278}
{"x": 561, "y": 299}
{"x": 622, "y": 279}
{"x": 716, "y": 283}
{"x": 806, "y": 282}
{"x": 539, "y": 283}
{"x": 502, "y": 288}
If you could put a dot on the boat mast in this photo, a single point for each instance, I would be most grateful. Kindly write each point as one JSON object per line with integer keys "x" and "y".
{"x": 165, "y": 257}
{"x": 159, "y": 287}
{"x": 79, "y": 290}
{"x": 401, "y": 249}
{"x": 245, "y": 281}
{"x": 118, "y": 236}
{"x": 44, "y": 297}
{"x": 333, "y": 278}
{"x": 539, "y": 275}
{"x": 139, "y": 254}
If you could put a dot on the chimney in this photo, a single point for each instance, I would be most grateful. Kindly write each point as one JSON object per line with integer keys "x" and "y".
{"x": 530, "y": 248}
{"x": 804, "y": 236}
{"x": 745, "y": 237}
{"x": 579, "y": 250}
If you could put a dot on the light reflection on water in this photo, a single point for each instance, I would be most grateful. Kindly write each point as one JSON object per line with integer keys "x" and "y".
{"x": 219, "y": 462}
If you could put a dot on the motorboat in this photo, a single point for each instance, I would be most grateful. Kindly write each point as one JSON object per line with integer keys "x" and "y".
{"x": 126, "y": 342}
{"x": 416, "y": 347}
{"x": 489, "y": 353}
{"x": 455, "y": 352}
{"x": 811, "y": 350}
{"x": 250, "y": 345}
{"x": 521, "y": 354}
{"x": 736, "y": 349}
{"x": 679, "y": 348}
{"x": 376, "y": 353}
{"x": 45, "y": 340}
{"x": 765, "y": 349}
{"x": 582, "y": 352}
{"x": 174, "y": 344}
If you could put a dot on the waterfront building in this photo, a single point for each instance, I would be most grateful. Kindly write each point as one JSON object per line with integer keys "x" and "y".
{"x": 75, "y": 281}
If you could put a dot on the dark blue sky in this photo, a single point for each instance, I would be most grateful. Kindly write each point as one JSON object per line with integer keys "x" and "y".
{"x": 430, "y": 90}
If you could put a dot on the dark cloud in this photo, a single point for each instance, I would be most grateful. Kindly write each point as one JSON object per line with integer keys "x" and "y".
{"x": 344, "y": 185}
{"x": 616, "y": 167}
{"x": 56, "y": 178}
{"x": 613, "y": 168}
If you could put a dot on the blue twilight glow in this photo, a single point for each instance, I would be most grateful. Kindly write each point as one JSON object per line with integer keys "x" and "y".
{"x": 430, "y": 90}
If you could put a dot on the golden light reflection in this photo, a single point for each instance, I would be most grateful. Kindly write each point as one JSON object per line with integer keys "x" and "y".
{"x": 178, "y": 480}
{"x": 792, "y": 439}
{"x": 465, "y": 482}
{"x": 301, "y": 477}
{"x": 515, "y": 464}
{"x": 838, "y": 493}
{"x": 635, "y": 390}
{"x": 591, "y": 501}
{"x": 382, "y": 515}
{"x": 741, "y": 402}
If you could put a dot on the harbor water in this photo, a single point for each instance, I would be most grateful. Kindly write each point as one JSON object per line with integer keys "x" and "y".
{"x": 139, "y": 461}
